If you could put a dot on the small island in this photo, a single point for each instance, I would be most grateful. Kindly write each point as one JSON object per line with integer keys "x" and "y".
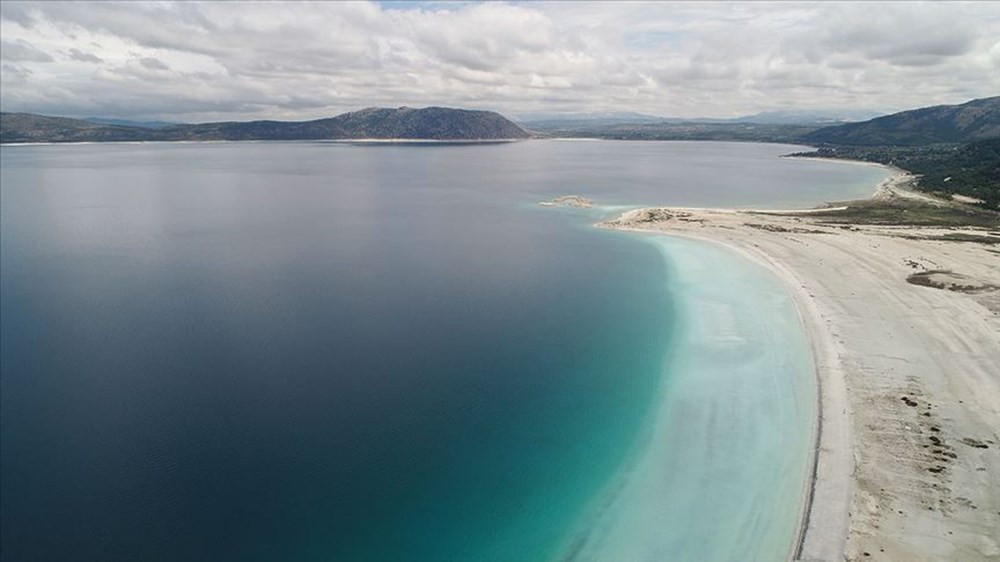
{"x": 569, "y": 201}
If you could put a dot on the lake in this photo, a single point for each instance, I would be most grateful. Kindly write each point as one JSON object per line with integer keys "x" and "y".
{"x": 334, "y": 351}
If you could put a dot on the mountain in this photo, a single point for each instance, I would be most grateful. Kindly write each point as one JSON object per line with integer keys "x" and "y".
{"x": 617, "y": 116}
{"x": 611, "y": 124}
{"x": 129, "y": 123}
{"x": 808, "y": 117}
{"x": 688, "y": 130}
{"x": 975, "y": 120}
{"x": 430, "y": 123}
{"x": 564, "y": 121}
{"x": 27, "y": 127}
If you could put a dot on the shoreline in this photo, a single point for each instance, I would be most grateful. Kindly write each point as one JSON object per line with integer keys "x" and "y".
{"x": 844, "y": 514}
{"x": 894, "y": 169}
{"x": 830, "y": 398}
{"x": 680, "y": 444}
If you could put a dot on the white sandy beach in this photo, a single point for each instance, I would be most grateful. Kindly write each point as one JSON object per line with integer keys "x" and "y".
{"x": 908, "y": 448}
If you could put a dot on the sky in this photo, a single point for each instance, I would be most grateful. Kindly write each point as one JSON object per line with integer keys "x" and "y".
{"x": 205, "y": 61}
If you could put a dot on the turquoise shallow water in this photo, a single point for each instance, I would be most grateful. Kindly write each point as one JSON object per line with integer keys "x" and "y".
{"x": 315, "y": 351}
{"x": 722, "y": 461}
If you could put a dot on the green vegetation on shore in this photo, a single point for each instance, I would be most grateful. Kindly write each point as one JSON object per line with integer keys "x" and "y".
{"x": 971, "y": 170}
{"x": 954, "y": 149}
{"x": 908, "y": 212}
{"x": 688, "y": 131}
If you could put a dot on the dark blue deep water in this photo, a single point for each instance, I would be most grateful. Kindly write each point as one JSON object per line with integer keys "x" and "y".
{"x": 319, "y": 351}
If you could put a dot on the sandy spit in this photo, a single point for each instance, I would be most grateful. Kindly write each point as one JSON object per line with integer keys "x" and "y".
{"x": 907, "y": 463}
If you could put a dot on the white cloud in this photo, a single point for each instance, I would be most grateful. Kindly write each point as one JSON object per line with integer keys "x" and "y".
{"x": 227, "y": 60}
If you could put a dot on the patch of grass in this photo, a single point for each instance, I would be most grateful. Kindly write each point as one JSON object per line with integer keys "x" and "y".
{"x": 909, "y": 213}
{"x": 963, "y": 237}
{"x": 777, "y": 228}
{"x": 949, "y": 281}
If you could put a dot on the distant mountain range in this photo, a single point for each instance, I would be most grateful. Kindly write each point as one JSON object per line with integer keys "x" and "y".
{"x": 945, "y": 124}
{"x": 579, "y": 121}
{"x": 808, "y": 117}
{"x": 130, "y": 123}
{"x": 975, "y": 120}
{"x": 430, "y": 123}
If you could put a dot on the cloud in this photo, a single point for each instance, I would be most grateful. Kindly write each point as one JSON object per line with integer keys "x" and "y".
{"x": 23, "y": 51}
{"x": 153, "y": 63}
{"x": 13, "y": 74}
{"x": 900, "y": 33}
{"x": 194, "y": 61}
{"x": 78, "y": 55}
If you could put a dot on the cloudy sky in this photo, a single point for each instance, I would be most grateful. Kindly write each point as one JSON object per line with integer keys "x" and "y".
{"x": 191, "y": 61}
